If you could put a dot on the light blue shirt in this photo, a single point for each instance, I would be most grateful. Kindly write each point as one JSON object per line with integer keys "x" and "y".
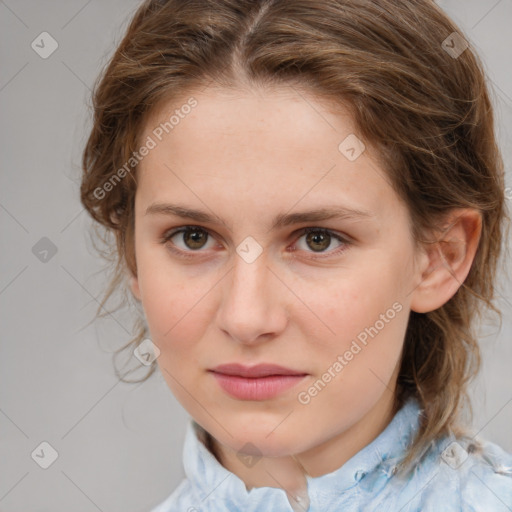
{"x": 449, "y": 479}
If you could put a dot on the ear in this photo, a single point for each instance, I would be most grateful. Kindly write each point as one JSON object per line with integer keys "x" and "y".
{"x": 134, "y": 286}
{"x": 447, "y": 260}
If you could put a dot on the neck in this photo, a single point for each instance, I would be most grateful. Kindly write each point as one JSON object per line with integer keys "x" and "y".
{"x": 289, "y": 472}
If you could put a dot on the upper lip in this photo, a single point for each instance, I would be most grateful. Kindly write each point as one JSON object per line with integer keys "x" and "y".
{"x": 259, "y": 370}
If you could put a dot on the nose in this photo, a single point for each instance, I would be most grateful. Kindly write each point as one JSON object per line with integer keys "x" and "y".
{"x": 252, "y": 308}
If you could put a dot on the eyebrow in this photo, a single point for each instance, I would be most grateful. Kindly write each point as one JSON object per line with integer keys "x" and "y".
{"x": 280, "y": 221}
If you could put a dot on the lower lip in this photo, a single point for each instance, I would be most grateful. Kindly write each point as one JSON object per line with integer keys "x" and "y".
{"x": 261, "y": 388}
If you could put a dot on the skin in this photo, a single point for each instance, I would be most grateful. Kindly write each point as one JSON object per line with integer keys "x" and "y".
{"x": 245, "y": 156}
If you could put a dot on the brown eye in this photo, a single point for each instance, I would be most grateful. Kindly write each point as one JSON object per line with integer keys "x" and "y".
{"x": 187, "y": 239}
{"x": 323, "y": 242}
{"x": 318, "y": 241}
{"x": 195, "y": 238}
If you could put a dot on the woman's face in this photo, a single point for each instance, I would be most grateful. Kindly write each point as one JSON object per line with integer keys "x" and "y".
{"x": 245, "y": 284}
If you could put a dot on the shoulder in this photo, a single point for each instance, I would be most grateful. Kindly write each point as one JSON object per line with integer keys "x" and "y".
{"x": 486, "y": 482}
{"x": 462, "y": 474}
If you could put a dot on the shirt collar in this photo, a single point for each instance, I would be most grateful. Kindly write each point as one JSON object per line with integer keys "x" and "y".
{"x": 379, "y": 457}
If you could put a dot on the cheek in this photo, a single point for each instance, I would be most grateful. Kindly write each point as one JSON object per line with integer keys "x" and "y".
{"x": 345, "y": 304}
{"x": 364, "y": 319}
{"x": 171, "y": 300}
{"x": 177, "y": 319}
{"x": 357, "y": 366}
{"x": 174, "y": 315}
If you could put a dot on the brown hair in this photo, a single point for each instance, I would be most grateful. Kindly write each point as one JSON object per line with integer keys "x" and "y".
{"x": 428, "y": 113}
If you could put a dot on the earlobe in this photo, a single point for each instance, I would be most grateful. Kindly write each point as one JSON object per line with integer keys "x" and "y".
{"x": 449, "y": 260}
{"x": 134, "y": 286}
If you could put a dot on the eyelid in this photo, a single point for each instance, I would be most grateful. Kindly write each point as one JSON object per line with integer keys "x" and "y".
{"x": 165, "y": 238}
{"x": 340, "y": 236}
{"x": 344, "y": 239}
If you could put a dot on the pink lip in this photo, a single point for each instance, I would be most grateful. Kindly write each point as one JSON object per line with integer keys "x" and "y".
{"x": 260, "y": 382}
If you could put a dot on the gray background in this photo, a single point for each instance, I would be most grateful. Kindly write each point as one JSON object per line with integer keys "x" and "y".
{"x": 120, "y": 445}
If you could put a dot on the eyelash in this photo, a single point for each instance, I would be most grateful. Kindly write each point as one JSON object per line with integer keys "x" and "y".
{"x": 166, "y": 238}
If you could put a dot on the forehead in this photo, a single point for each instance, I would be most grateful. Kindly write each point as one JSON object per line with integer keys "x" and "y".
{"x": 261, "y": 146}
{"x": 233, "y": 115}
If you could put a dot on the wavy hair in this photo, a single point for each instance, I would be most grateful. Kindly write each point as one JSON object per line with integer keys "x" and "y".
{"x": 426, "y": 110}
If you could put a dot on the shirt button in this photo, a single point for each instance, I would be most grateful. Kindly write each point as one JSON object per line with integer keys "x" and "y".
{"x": 359, "y": 474}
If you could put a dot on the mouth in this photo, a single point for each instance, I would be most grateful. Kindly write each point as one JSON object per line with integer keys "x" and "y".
{"x": 260, "y": 382}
